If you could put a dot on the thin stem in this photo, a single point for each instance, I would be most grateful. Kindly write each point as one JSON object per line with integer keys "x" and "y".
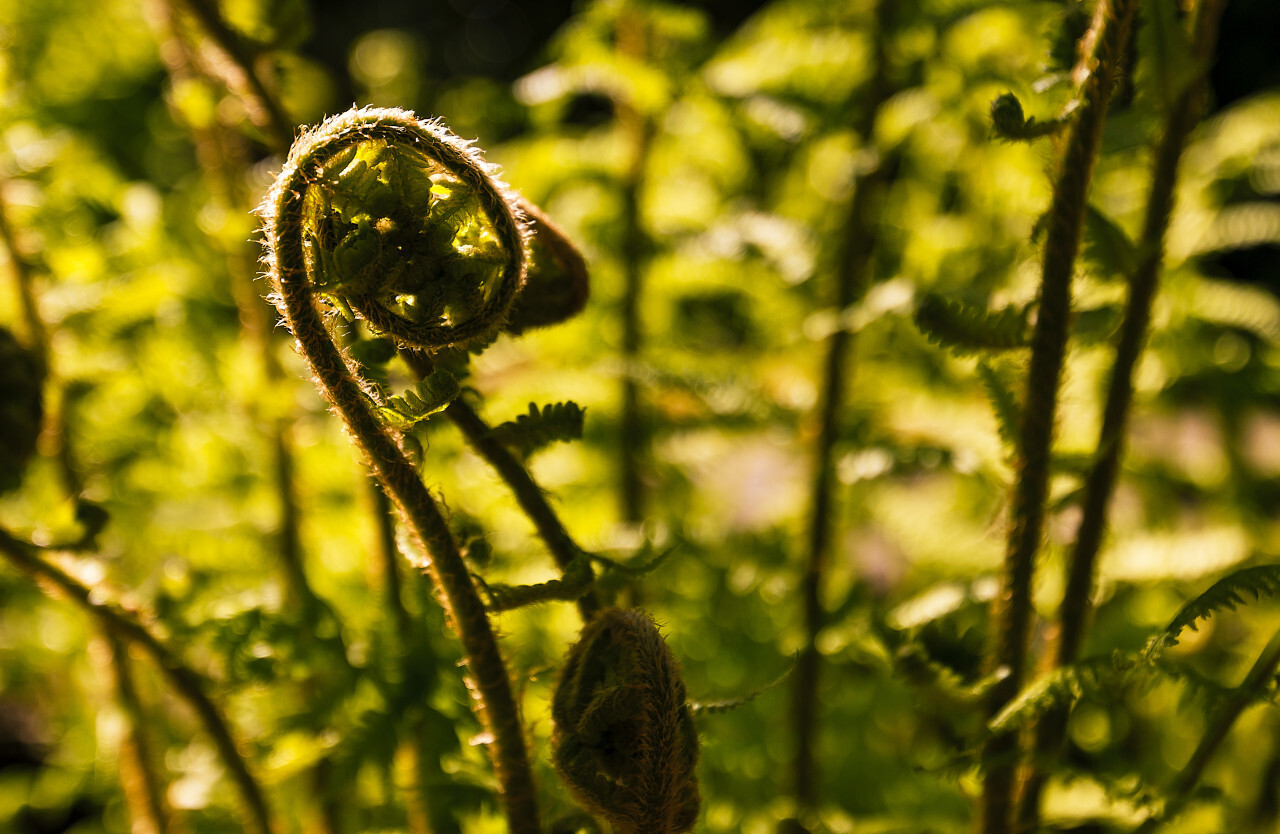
{"x": 23, "y": 275}
{"x": 186, "y": 683}
{"x": 427, "y": 814}
{"x": 232, "y": 63}
{"x": 1048, "y": 347}
{"x": 143, "y": 792}
{"x": 635, "y": 252}
{"x": 860, "y": 232}
{"x": 528, "y": 495}
{"x": 1224, "y": 718}
{"x": 1100, "y": 483}
{"x": 55, "y": 423}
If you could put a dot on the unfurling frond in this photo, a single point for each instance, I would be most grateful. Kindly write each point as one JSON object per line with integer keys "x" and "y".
{"x": 530, "y": 432}
{"x": 967, "y": 329}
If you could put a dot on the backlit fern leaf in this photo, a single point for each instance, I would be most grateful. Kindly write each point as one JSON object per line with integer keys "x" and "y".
{"x": 1195, "y": 686}
{"x": 1003, "y": 404}
{"x": 967, "y": 329}
{"x": 413, "y": 405}
{"x": 1227, "y": 594}
{"x": 1060, "y": 689}
{"x": 530, "y": 432}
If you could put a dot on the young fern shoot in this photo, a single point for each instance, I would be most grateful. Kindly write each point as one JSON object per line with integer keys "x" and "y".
{"x": 394, "y": 219}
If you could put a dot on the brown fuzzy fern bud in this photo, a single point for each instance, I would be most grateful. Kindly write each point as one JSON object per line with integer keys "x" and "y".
{"x": 401, "y": 223}
{"x": 21, "y": 409}
{"x": 624, "y": 740}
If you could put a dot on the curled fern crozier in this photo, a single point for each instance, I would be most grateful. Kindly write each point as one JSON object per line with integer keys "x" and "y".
{"x": 401, "y": 223}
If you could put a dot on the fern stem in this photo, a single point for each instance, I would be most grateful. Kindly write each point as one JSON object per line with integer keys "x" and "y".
{"x": 1100, "y": 483}
{"x": 1101, "y": 67}
{"x": 858, "y": 242}
{"x": 23, "y": 270}
{"x": 23, "y": 277}
{"x": 496, "y": 704}
{"x": 427, "y": 814}
{"x": 528, "y": 495}
{"x": 186, "y": 683}
{"x": 139, "y": 780}
{"x": 633, "y": 436}
{"x": 1224, "y": 718}
{"x": 233, "y": 65}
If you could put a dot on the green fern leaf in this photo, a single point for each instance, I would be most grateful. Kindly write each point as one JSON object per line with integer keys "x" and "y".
{"x": 1061, "y": 689}
{"x": 1003, "y": 404}
{"x": 939, "y": 686}
{"x": 530, "y": 432}
{"x": 967, "y": 329}
{"x": 1107, "y": 245}
{"x": 1195, "y": 686}
{"x": 430, "y": 396}
{"x": 1227, "y": 594}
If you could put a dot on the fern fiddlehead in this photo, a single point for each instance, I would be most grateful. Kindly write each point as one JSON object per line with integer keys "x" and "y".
{"x": 624, "y": 738}
{"x": 395, "y": 220}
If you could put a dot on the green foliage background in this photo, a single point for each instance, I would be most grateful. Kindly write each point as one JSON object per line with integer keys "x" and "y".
{"x": 128, "y": 181}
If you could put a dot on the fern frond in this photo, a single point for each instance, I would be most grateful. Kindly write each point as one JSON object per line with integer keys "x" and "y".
{"x": 431, "y": 395}
{"x": 1060, "y": 689}
{"x": 1195, "y": 686}
{"x": 967, "y": 329}
{"x": 637, "y": 565}
{"x": 940, "y": 685}
{"x": 1003, "y": 404}
{"x": 728, "y": 705}
{"x": 1107, "y": 245}
{"x": 530, "y": 432}
{"x": 1227, "y": 594}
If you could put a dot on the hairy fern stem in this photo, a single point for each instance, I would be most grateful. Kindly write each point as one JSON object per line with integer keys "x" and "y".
{"x": 1097, "y": 73}
{"x": 1100, "y": 483}
{"x": 292, "y": 278}
{"x": 139, "y": 779}
{"x": 529, "y": 496}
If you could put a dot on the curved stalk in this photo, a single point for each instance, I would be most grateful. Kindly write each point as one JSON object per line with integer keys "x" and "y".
{"x": 289, "y": 266}
{"x": 527, "y": 493}
{"x": 1250, "y": 691}
{"x": 186, "y": 683}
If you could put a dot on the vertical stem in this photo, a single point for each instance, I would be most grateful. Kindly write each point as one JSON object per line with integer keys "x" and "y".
{"x": 860, "y": 231}
{"x": 231, "y": 62}
{"x": 1102, "y": 48}
{"x": 636, "y": 248}
{"x": 1099, "y": 485}
{"x": 22, "y": 269}
{"x": 143, "y": 792}
{"x": 55, "y": 423}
